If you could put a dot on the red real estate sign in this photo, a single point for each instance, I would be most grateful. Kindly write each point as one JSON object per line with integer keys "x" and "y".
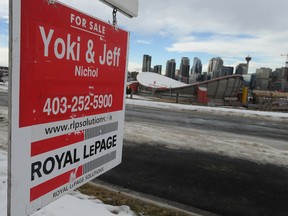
{"x": 71, "y": 64}
{"x": 67, "y": 106}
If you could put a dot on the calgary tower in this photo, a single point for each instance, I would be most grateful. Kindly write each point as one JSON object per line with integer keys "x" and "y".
{"x": 248, "y": 59}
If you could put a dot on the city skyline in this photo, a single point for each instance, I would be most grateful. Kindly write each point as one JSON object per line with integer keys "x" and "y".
{"x": 216, "y": 66}
{"x": 263, "y": 79}
{"x": 190, "y": 28}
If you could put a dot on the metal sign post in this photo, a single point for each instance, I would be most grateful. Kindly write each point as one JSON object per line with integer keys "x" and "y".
{"x": 67, "y": 93}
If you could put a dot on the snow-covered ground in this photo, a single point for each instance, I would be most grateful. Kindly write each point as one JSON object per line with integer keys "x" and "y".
{"x": 251, "y": 148}
{"x": 72, "y": 204}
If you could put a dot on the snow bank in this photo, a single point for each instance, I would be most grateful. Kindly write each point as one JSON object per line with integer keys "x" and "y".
{"x": 76, "y": 203}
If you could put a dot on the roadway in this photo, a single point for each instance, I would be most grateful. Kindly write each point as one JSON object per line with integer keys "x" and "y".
{"x": 204, "y": 180}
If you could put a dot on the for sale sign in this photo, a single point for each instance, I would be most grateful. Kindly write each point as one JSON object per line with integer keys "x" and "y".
{"x": 67, "y": 105}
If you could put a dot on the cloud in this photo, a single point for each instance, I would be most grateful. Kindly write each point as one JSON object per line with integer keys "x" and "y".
{"x": 4, "y": 10}
{"x": 218, "y": 45}
{"x": 230, "y": 46}
{"x": 230, "y": 29}
{"x": 143, "y": 42}
{"x": 265, "y": 49}
{"x": 225, "y": 16}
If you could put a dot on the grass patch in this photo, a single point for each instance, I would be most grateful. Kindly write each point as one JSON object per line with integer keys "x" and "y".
{"x": 140, "y": 207}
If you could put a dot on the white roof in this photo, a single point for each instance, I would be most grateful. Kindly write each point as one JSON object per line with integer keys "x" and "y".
{"x": 154, "y": 80}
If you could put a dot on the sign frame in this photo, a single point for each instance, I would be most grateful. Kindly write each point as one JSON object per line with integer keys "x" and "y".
{"x": 42, "y": 153}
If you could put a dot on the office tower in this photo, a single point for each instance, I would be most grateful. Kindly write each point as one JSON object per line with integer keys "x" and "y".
{"x": 146, "y": 66}
{"x": 281, "y": 73}
{"x": 278, "y": 79}
{"x": 197, "y": 66}
{"x": 241, "y": 69}
{"x": 253, "y": 81}
{"x": 263, "y": 76}
{"x": 196, "y": 71}
{"x": 171, "y": 68}
{"x": 184, "y": 69}
{"x": 215, "y": 67}
{"x": 226, "y": 71}
{"x": 158, "y": 69}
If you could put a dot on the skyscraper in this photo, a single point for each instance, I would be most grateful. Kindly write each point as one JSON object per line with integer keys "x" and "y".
{"x": 197, "y": 66}
{"x": 263, "y": 78}
{"x": 215, "y": 67}
{"x": 241, "y": 69}
{"x": 184, "y": 69}
{"x": 196, "y": 71}
{"x": 146, "y": 66}
{"x": 158, "y": 69}
{"x": 226, "y": 70}
{"x": 171, "y": 68}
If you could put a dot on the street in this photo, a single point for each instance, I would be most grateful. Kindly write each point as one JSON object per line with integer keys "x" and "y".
{"x": 217, "y": 182}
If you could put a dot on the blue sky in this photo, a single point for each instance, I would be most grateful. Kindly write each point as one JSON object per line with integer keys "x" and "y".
{"x": 167, "y": 29}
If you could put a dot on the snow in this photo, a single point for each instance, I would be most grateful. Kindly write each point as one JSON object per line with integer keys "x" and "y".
{"x": 277, "y": 116}
{"x": 155, "y": 80}
{"x": 73, "y": 204}
{"x": 251, "y": 148}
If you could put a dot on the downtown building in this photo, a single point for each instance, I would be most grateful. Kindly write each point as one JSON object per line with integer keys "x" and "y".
{"x": 170, "y": 68}
{"x": 157, "y": 69}
{"x": 227, "y": 70}
{"x": 146, "y": 65}
{"x": 241, "y": 69}
{"x": 184, "y": 70}
{"x": 196, "y": 71}
{"x": 197, "y": 66}
{"x": 263, "y": 79}
{"x": 215, "y": 67}
{"x": 279, "y": 79}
